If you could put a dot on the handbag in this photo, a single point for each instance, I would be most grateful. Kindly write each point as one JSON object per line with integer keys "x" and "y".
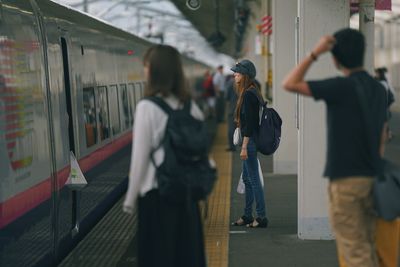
{"x": 237, "y": 137}
{"x": 241, "y": 187}
{"x": 386, "y": 191}
{"x": 386, "y": 186}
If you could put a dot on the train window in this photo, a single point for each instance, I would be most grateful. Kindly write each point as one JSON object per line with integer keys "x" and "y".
{"x": 114, "y": 109}
{"x": 89, "y": 113}
{"x": 138, "y": 92}
{"x": 131, "y": 94}
{"x": 142, "y": 86}
{"x": 104, "y": 126}
{"x": 124, "y": 112}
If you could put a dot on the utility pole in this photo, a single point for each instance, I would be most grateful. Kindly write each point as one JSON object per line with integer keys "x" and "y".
{"x": 85, "y": 6}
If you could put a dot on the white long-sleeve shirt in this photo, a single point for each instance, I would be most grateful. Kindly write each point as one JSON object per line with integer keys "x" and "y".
{"x": 148, "y": 130}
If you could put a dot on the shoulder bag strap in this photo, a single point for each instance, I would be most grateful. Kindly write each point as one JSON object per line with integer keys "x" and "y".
{"x": 161, "y": 103}
{"x": 364, "y": 110}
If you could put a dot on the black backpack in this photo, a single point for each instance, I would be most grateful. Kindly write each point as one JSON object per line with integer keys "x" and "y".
{"x": 186, "y": 173}
{"x": 268, "y": 136}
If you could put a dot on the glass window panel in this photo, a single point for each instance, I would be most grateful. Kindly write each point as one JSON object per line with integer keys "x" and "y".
{"x": 89, "y": 113}
{"x": 104, "y": 126}
{"x": 114, "y": 109}
{"x": 132, "y": 103}
{"x": 142, "y": 85}
{"x": 138, "y": 92}
{"x": 124, "y": 100}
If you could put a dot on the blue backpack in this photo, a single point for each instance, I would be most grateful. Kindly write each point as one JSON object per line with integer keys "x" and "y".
{"x": 268, "y": 136}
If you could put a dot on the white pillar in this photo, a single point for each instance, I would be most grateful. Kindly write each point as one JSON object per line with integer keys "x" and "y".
{"x": 367, "y": 14}
{"x": 316, "y": 18}
{"x": 284, "y": 13}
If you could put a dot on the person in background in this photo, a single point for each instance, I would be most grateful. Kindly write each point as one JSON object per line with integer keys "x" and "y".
{"x": 351, "y": 165}
{"x": 198, "y": 92}
{"x": 209, "y": 94}
{"x": 380, "y": 75}
{"x": 169, "y": 235}
{"x": 231, "y": 99}
{"x": 247, "y": 117}
{"x": 219, "y": 82}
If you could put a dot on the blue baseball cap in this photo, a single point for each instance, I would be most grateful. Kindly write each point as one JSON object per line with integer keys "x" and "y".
{"x": 245, "y": 67}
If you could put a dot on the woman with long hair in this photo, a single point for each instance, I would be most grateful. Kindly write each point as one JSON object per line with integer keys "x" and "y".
{"x": 247, "y": 119}
{"x": 168, "y": 234}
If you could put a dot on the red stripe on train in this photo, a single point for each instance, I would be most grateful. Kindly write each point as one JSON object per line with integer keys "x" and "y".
{"x": 23, "y": 202}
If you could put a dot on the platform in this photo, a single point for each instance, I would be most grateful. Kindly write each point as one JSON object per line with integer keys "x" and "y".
{"x": 112, "y": 242}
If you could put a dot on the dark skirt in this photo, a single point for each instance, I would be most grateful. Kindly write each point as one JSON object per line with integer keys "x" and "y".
{"x": 169, "y": 235}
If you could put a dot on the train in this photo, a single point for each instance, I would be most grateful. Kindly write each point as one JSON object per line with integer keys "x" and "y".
{"x": 69, "y": 84}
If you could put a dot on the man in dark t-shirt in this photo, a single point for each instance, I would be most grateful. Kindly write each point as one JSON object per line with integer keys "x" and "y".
{"x": 352, "y": 160}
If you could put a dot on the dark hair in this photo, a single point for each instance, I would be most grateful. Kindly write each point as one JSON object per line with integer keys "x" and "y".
{"x": 241, "y": 87}
{"x": 349, "y": 48}
{"x": 165, "y": 72}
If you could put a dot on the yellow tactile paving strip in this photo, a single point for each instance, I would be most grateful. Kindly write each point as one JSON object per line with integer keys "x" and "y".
{"x": 216, "y": 226}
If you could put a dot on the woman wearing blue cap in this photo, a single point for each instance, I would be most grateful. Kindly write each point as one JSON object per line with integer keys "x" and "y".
{"x": 247, "y": 117}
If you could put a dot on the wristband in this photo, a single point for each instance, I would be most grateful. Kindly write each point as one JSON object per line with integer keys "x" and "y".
{"x": 313, "y": 56}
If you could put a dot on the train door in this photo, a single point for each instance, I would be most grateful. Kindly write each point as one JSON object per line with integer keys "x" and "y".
{"x": 51, "y": 118}
{"x": 32, "y": 184}
{"x": 67, "y": 87}
{"x": 64, "y": 41}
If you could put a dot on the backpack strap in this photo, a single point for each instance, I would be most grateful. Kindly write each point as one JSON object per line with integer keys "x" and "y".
{"x": 186, "y": 106}
{"x": 161, "y": 103}
{"x": 164, "y": 106}
{"x": 167, "y": 109}
{"x": 259, "y": 97}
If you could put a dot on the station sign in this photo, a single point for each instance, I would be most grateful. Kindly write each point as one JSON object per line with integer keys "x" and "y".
{"x": 379, "y": 5}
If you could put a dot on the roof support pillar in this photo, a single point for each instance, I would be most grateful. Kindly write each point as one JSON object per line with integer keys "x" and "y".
{"x": 284, "y": 13}
{"x": 367, "y": 14}
{"x": 316, "y": 19}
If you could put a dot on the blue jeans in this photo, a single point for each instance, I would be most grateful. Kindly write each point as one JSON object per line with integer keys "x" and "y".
{"x": 251, "y": 179}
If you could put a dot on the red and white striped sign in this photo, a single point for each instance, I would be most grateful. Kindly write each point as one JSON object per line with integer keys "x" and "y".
{"x": 266, "y": 25}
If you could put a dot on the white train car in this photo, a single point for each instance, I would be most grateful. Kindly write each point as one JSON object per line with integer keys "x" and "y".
{"x": 68, "y": 82}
